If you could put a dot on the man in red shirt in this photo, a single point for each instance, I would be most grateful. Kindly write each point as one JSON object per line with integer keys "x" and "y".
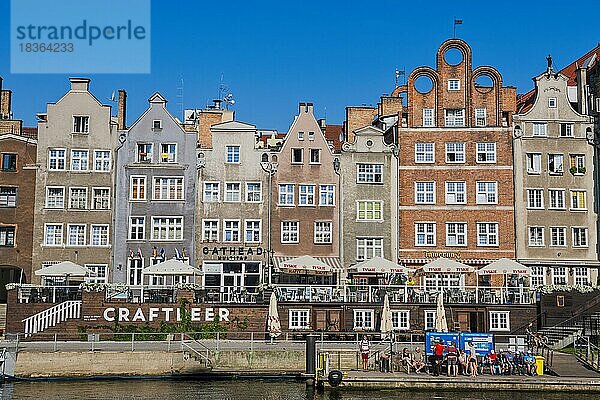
{"x": 438, "y": 356}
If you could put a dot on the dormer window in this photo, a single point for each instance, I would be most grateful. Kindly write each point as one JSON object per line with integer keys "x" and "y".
{"x": 81, "y": 124}
{"x": 552, "y": 102}
{"x": 157, "y": 125}
{"x": 453, "y": 85}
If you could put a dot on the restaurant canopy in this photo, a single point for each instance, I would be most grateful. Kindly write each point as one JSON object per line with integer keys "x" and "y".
{"x": 505, "y": 266}
{"x": 305, "y": 265}
{"x": 446, "y": 266}
{"x": 65, "y": 268}
{"x": 172, "y": 267}
{"x": 378, "y": 265}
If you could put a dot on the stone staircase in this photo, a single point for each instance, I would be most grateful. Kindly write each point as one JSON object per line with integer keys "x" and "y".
{"x": 562, "y": 335}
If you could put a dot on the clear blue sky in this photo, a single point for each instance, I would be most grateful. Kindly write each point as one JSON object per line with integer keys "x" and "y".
{"x": 336, "y": 53}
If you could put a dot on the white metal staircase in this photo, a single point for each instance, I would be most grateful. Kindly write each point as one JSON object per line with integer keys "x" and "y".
{"x": 52, "y": 316}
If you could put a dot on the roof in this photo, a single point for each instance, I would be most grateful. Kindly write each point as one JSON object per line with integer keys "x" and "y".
{"x": 30, "y": 132}
{"x": 332, "y": 134}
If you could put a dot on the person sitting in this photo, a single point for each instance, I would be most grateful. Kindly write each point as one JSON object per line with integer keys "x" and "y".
{"x": 529, "y": 364}
{"x": 519, "y": 364}
{"x": 418, "y": 362}
{"x": 509, "y": 367}
{"x": 492, "y": 359}
{"x": 407, "y": 360}
{"x": 463, "y": 365}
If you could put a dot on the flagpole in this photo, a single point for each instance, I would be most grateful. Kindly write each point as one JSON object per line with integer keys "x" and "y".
{"x": 454, "y": 28}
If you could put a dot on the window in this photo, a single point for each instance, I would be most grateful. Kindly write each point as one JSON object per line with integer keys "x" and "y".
{"x": 253, "y": 192}
{"x": 480, "y": 117}
{"x": 577, "y": 164}
{"x": 499, "y": 321}
{"x": 167, "y": 228}
{"x": 301, "y": 136}
{"x": 558, "y": 236}
{"x": 369, "y": 210}
{"x": 456, "y": 234}
{"x": 557, "y": 199}
{"x": 168, "y": 188}
{"x": 538, "y": 277}
{"x": 438, "y": 281}
{"x": 428, "y": 119}
{"x": 453, "y": 84}
{"x": 231, "y": 230}
{"x": 7, "y": 236}
{"x": 323, "y": 232}
{"x": 232, "y": 154}
{"x": 78, "y": 198}
{"x": 559, "y": 276}
{"x": 8, "y": 196}
{"x": 81, "y": 124}
{"x": 534, "y": 163}
{"x": 540, "y": 129}
{"x": 401, "y": 320}
{"x": 487, "y": 234}
{"x": 100, "y": 198}
{"x": 425, "y": 234}
{"x": 76, "y": 235}
{"x": 578, "y": 200}
{"x": 552, "y": 102}
{"x": 137, "y": 228}
{"x": 53, "y": 235}
{"x": 306, "y": 195}
{"x": 299, "y": 319}
{"x": 210, "y": 230}
{"x": 134, "y": 270}
{"x": 424, "y": 152}
{"x": 289, "y": 231}
{"x": 211, "y": 192}
{"x": 286, "y": 195}
{"x": 424, "y": 192}
{"x": 252, "y": 231}
{"x": 168, "y": 152}
{"x": 100, "y": 273}
{"x": 144, "y": 152}
{"x": 99, "y": 235}
{"x": 9, "y": 162}
{"x": 430, "y": 317}
{"x": 233, "y": 192}
{"x": 57, "y": 159}
{"x": 455, "y": 152}
{"x": 102, "y": 160}
{"x": 555, "y": 164}
{"x": 311, "y": 136}
{"x": 363, "y": 320}
{"x": 297, "y": 156}
{"x": 455, "y": 117}
{"x": 536, "y": 236}
{"x": 487, "y": 192}
{"x": 580, "y": 237}
{"x": 456, "y": 193}
{"x": 367, "y": 248}
{"x": 315, "y": 156}
{"x": 535, "y": 198}
{"x": 486, "y": 153}
{"x": 582, "y": 276}
{"x": 79, "y": 160}
{"x": 327, "y": 193}
{"x": 566, "y": 130}
{"x": 369, "y": 173}
{"x": 156, "y": 125}
{"x": 137, "y": 190}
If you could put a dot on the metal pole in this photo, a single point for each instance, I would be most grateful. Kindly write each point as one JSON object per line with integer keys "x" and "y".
{"x": 132, "y": 340}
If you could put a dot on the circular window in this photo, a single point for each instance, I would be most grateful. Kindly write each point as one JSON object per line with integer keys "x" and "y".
{"x": 453, "y": 56}
{"x": 423, "y": 84}
{"x": 369, "y": 143}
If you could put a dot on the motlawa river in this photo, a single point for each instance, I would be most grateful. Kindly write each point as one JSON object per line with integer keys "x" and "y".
{"x": 243, "y": 389}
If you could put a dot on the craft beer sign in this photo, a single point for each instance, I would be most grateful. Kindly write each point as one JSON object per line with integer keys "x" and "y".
{"x": 164, "y": 314}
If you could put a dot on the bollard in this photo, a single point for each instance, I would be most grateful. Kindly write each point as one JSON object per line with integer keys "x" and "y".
{"x": 311, "y": 351}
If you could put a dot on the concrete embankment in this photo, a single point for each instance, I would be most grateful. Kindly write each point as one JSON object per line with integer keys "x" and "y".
{"x": 76, "y": 364}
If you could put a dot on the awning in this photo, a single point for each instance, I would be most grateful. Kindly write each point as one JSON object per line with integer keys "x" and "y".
{"x": 65, "y": 268}
{"x": 446, "y": 266}
{"x": 171, "y": 267}
{"x": 378, "y": 265}
{"x": 308, "y": 265}
{"x": 422, "y": 261}
{"x": 505, "y": 266}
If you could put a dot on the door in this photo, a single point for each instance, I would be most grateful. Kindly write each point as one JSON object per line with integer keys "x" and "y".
{"x": 232, "y": 285}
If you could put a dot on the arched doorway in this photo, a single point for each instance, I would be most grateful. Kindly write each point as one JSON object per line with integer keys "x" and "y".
{"x": 9, "y": 274}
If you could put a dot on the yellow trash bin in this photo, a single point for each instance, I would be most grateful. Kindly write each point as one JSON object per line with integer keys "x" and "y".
{"x": 539, "y": 365}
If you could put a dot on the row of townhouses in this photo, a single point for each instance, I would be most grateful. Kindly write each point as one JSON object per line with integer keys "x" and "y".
{"x": 452, "y": 164}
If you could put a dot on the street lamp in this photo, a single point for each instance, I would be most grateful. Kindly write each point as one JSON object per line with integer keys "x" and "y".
{"x": 270, "y": 167}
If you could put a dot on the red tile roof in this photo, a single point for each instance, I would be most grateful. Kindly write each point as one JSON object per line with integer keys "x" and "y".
{"x": 29, "y": 132}
{"x": 332, "y": 133}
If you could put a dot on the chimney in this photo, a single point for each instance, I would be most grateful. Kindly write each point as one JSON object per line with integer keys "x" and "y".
{"x": 217, "y": 104}
{"x": 582, "y": 97}
{"x": 122, "y": 110}
{"x": 305, "y": 108}
{"x": 80, "y": 84}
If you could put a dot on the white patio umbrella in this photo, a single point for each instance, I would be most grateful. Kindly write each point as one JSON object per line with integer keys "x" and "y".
{"x": 505, "y": 266}
{"x": 306, "y": 265}
{"x": 441, "y": 325}
{"x": 273, "y": 323}
{"x": 379, "y": 265}
{"x": 65, "y": 268}
{"x": 386, "y": 317}
{"x": 446, "y": 266}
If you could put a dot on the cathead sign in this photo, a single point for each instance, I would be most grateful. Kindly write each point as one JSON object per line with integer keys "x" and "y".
{"x": 74, "y": 36}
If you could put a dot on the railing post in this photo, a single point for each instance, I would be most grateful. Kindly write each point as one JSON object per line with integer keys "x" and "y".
{"x": 251, "y": 341}
{"x": 132, "y": 341}
{"x": 218, "y": 340}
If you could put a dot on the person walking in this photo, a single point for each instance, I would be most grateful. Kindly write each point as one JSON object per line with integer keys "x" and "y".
{"x": 452, "y": 359}
{"x": 365, "y": 350}
{"x": 438, "y": 354}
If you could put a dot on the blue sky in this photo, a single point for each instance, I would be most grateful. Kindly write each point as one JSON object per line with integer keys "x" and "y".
{"x": 274, "y": 54}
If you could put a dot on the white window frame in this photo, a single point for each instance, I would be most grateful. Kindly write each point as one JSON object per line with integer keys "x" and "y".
{"x": 454, "y": 117}
{"x": 368, "y": 244}
{"x": 235, "y": 195}
{"x": 214, "y": 189}
{"x": 535, "y": 199}
{"x": 210, "y": 232}
{"x": 143, "y": 183}
{"x": 552, "y": 160}
{"x": 85, "y": 124}
{"x": 306, "y": 195}
{"x": 299, "y": 319}
{"x": 454, "y": 192}
{"x": 83, "y": 162}
{"x": 575, "y": 206}
{"x": 253, "y": 229}
{"x": 292, "y": 230}
{"x": 93, "y": 198}
{"x": 137, "y": 226}
{"x": 101, "y": 237}
{"x": 561, "y": 278}
{"x": 425, "y": 189}
{"x": 97, "y": 277}
{"x": 499, "y": 321}
{"x": 80, "y": 234}
{"x": 538, "y": 276}
{"x": 293, "y": 158}
{"x": 554, "y": 195}
{"x": 58, "y": 159}
{"x": 9, "y": 195}
{"x": 577, "y": 276}
{"x": 105, "y": 163}
{"x": 252, "y": 192}
{"x": 47, "y": 205}
{"x": 426, "y": 233}
{"x": 323, "y": 236}
{"x": 327, "y": 195}
{"x": 85, "y": 190}
{"x": 171, "y": 157}
{"x": 487, "y": 192}
{"x": 488, "y": 151}
{"x": 428, "y": 117}
{"x": 369, "y": 173}
{"x": 287, "y": 190}
{"x": 58, "y": 234}
{"x": 318, "y": 153}
{"x": 156, "y": 126}
{"x": 577, "y": 161}
{"x": 453, "y": 85}
{"x": 424, "y": 153}
{"x": 165, "y": 186}
{"x": 148, "y": 155}
{"x": 369, "y": 210}
{"x": 458, "y": 150}
{"x": 453, "y": 231}
{"x": 534, "y": 238}
{"x": 361, "y": 321}
{"x": 232, "y": 154}
{"x": 577, "y": 237}
{"x": 400, "y": 320}
{"x": 555, "y": 233}
{"x": 552, "y": 102}
{"x": 235, "y": 226}
{"x": 567, "y": 130}
{"x": 173, "y": 226}
{"x": 539, "y": 129}
{"x": 487, "y": 234}
{"x": 300, "y": 135}
{"x": 480, "y": 117}
{"x": 429, "y": 317}
{"x": 533, "y": 160}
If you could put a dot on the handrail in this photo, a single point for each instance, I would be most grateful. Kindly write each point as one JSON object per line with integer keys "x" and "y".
{"x": 39, "y": 322}
{"x": 587, "y": 352}
{"x": 528, "y": 323}
{"x": 589, "y": 305}
{"x": 206, "y": 357}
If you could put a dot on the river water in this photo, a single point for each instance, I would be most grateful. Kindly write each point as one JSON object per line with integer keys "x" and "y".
{"x": 243, "y": 389}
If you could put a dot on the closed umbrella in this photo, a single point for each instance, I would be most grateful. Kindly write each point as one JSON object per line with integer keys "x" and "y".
{"x": 273, "y": 323}
{"x": 386, "y": 317}
{"x": 441, "y": 325}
